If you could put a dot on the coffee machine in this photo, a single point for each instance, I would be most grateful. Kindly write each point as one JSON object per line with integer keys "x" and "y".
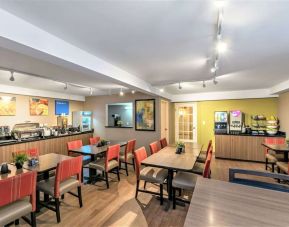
{"x": 237, "y": 119}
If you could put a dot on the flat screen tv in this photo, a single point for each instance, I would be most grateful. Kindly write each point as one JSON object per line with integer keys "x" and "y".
{"x": 61, "y": 107}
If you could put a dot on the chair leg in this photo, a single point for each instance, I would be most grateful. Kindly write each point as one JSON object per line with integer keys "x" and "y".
{"x": 273, "y": 168}
{"x": 37, "y": 201}
{"x": 137, "y": 186}
{"x": 180, "y": 191}
{"x": 161, "y": 194}
{"x": 133, "y": 164}
{"x": 106, "y": 180}
{"x": 16, "y": 222}
{"x": 79, "y": 196}
{"x": 118, "y": 176}
{"x": 126, "y": 170}
{"x": 62, "y": 196}
{"x": 145, "y": 184}
{"x": 266, "y": 163}
{"x": 57, "y": 208}
{"x": 33, "y": 219}
{"x": 278, "y": 170}
{"x": 174, "y": 198}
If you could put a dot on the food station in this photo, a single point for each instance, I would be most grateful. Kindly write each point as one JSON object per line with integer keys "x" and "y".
{"x": 238, "y": 139}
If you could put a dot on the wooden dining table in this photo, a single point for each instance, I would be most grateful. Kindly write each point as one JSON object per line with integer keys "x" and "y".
{"x": 167, "y": 158}
{"x": 220, "y": 203}
{"x": 279, "y": 148}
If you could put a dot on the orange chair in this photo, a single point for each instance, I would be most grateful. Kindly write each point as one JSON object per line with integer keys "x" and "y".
{"x": 31, "y": 152}
{"x": 63, "y": 182}
{"x": 109, "y": 164}
{"x": 199, "y": 167}
{"x": 94, "y": 140}
{"x": 73, "y": 145}
{"x": 187, "y": 181}
{"x": 13, "y": 204}
{"x": 272, "y": 157}
{"x": 204, "y": 154}
{"x": 127, "y": 157}
{"x": 148, "y": 174}
{"x": 163, "y": 143}
{"x": 154, "y": 147}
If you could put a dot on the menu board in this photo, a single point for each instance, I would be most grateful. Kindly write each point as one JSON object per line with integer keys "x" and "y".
{"x": 61, "y": 107}
{"x": 38, "y": 106}
{"x": 7, "y": 106}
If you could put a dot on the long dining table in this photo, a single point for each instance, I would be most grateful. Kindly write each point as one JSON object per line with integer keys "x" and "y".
{"x": 167, "y": 158}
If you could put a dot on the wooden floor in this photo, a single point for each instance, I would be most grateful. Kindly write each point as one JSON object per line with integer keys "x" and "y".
{"x": 117, "y": 206}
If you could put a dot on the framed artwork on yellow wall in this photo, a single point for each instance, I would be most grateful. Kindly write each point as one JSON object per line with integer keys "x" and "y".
{"x": 38, "y": 106}
{"x": 7, "y": 106}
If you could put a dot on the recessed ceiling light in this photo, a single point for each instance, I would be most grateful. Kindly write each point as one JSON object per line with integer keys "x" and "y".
{"x": 161, "y": 90}
{"x": 12, "y": 76}
{"x": 221, "y": 47}
{"x": 213, "y": 69}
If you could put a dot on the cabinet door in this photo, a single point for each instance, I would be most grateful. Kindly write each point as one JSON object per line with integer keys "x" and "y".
{"x": 223, "y": 146}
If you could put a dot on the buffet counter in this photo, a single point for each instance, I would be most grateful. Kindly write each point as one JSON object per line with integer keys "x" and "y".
{"x": 50, "y": 144}
{"x": 245, "y": 147}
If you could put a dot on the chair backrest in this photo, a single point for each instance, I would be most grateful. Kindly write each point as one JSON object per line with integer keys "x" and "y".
{"x": 163, "y": 142}
{"x": 74, "y": 144}
{"x": 209, "y": 147}
{"x": 129, "y": 148}
{"x": 66, "y": 169}
{"x": 18, "y": 187}
{"x": 94, "y": 140}
{"x": 154, "y": 147}
{"x": 273, "y": 140}
{"x": 207, "y": 169}
{"x": 31, "y": 152}
{"x": 139, "y": 155}
{"x": 112, "y": 153}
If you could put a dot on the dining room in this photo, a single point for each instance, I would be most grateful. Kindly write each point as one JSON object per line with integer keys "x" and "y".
{"x": 144, "y": 113}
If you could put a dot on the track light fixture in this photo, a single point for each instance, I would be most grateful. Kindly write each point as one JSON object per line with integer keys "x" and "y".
{"x": 66, "y": 86}
{"x": 180, "y": 86}
{"x": 215, "y": 81}
{"x": 90, "y": 91}
{"x": 12, "y": 76}
{"x": 204, "y": 84}
{"x": 121, "y": 92}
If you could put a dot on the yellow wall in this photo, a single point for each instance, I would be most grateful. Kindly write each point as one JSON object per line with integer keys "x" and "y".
{"x": 250, "y": 107}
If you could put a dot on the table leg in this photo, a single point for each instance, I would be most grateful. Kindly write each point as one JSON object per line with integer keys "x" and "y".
{"x": 170, "y": 180}
{"x": 285, "y": 156}
{"x": 46, "y": 196}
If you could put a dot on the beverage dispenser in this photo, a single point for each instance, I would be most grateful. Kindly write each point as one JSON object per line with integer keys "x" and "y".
{"x": 82, "y": 119}
{"x": 237, "y": 118}
{"x": 221, "y": 122}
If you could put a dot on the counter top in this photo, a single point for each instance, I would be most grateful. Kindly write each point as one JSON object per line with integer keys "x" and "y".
{"x": 12, "y": 142}
{"x": 280, "y": 134}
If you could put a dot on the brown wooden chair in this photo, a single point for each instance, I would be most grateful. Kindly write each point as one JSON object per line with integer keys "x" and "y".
{"x": 154, "y": 147}
{"x": 203, "y": 154}
{"x": 163, "y": 143}
{"x": 199, "y": 166}
{"x": 63, "y": 182}
{"x": 127, "y": 158}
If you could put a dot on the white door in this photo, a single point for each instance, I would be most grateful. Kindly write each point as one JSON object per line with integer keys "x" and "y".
{"x": 186, "y": 122}
{"x": 165, "y": 120}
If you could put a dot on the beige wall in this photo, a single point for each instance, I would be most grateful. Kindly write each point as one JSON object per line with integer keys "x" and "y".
{"x": 97, "y": 104}
{"x": 23, "y": 114}
{"x": 283, "y": 112}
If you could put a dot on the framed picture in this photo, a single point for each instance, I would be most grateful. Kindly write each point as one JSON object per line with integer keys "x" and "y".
{"x": 145, "y": 115}
{"x": 38, "y": 107}
{"x": 7, "y": 106}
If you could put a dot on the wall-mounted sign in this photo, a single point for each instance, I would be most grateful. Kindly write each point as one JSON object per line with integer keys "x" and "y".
{"x": 61, "y": 107}
{"x": 7, "y": 106}
{"x": 38, "y": 106}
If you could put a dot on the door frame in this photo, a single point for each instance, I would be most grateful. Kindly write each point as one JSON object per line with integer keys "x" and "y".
{"x": 195, "y": 120}
{"x": 167, "y": 119}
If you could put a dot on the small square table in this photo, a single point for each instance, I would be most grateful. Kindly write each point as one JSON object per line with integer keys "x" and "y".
{"x": 279, "y": 148}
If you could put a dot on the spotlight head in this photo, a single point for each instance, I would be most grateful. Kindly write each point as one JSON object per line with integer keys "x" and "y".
{"x": 65, "y": 86}
{"x": 121, "y": 92}
{"x": 180, "y": 86}
{"x": 161, "y": 90}
{"x": 133, "y": 91}
{"x": 204, "y": 84}
{"x": 214, "y": 69}
{"x": 221, "y": 47}
{"x": 12, "y": 76}
{"x": 90, "y": 91}
{"x": 215, "y": 81}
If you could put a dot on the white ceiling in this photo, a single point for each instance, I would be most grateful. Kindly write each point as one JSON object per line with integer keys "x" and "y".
{"x": 163, "y": 42}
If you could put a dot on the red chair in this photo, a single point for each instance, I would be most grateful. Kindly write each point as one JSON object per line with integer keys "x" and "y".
{"x": 73, "y": 145}
{"x": 94, "y": 140}
{"x": 31, "y": 152}
{"x": 109, "y": 164}
{"x": 63, "y": 182}
{"x": 127, "y": 157}
{"x": 203, "y": 154}
{"x": 199, "y": 166}
{"x": 148, "y": 174}
{"x": 187, "y": 181}
{"x": 163, "y": 143}
{"x": 13, "y": 206}
{"x": 154, "y": 147}
{"x": 272, "y": 157}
